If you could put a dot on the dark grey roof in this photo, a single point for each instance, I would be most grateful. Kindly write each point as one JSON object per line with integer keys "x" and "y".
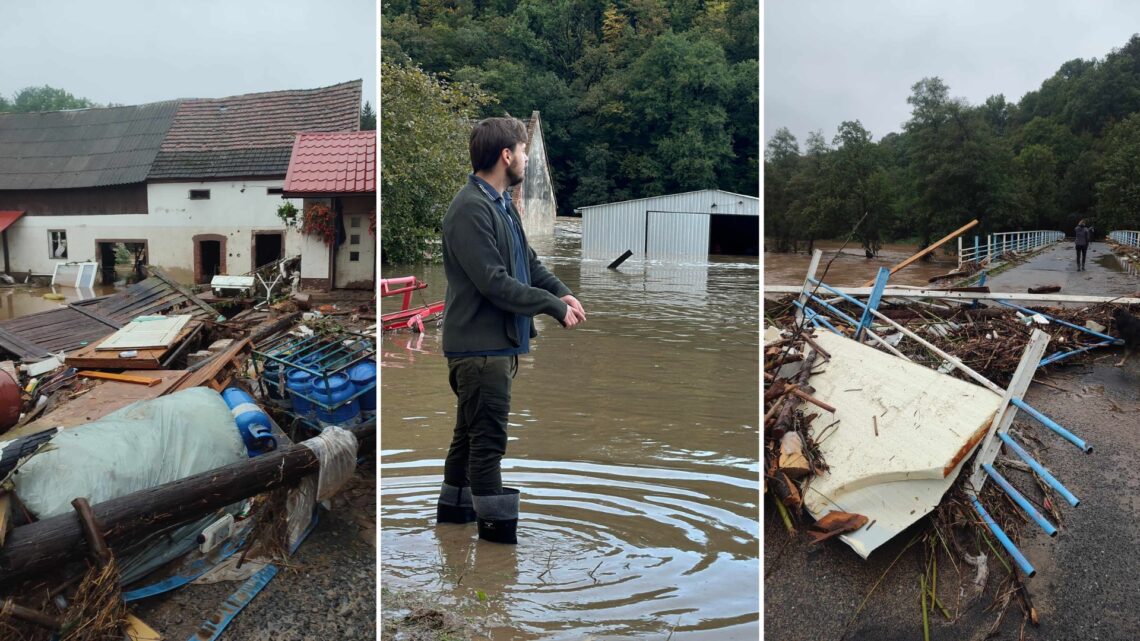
{"x": 252, "y": 134}
{"x": 82, "y": 148}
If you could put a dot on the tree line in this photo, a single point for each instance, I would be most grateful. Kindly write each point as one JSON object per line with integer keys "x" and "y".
{"x": 1068, "y": 151}
{"x": 638, "y": 97}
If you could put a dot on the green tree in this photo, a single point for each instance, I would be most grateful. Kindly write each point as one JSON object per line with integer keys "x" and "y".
{"x": 45, "y": 98}
{"x": 1118, "y": 190}
{"x": 424, "y": 132}
{"x": 367, "y": 117}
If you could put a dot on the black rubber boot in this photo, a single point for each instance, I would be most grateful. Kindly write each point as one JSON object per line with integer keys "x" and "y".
{"x": 454, "y": 505}
{"x": 498, "y": 516}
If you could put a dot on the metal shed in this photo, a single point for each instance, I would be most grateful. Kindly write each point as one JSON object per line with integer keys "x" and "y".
{"x": 687, "y": 226}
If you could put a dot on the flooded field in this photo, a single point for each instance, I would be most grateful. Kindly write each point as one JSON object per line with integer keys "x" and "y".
{"x": 634, "y": 443}
{"x": 852, "y": 268}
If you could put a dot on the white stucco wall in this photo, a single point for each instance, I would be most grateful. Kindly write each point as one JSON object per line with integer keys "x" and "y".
{"x": 235, "y": 209}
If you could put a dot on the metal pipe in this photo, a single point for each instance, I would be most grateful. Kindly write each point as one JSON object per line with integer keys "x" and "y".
{"x": 1060, "y": 356}
{"x": 1049, "y": 479}
{"x": 1061, "y": 322}
{"x": 1021, "y": 501}
{"x": 1018, "y": 557}
{"x": 815, "y": 317}
{"x": 1051, "y": 424}
{"x": 838, "y": 312}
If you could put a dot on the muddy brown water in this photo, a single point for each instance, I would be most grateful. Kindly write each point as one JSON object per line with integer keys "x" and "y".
{"x": 852, "y": 268}
{"x": 17, "y": 300}
{"x": 634, "y": 442}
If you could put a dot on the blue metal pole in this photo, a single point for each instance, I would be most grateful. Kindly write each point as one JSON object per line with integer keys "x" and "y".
{"x": 1021, "y": 501}
{"x": 976, "y": 250}
{"x": 1022, "y": 562}
{"x": 1039, "y": 468}
{"x": 834, "y": 310}
{"x": 1060, "y": 356}
{"x": 1059, "y": 321}
{"x": 1051, "y": 424}
{"x": 844, "y": 296}
{"x": 873, "y": 302}
{"x": 815, "y": 318}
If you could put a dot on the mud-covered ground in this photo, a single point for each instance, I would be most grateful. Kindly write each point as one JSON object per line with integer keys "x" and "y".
{"x": 326, "y": 591}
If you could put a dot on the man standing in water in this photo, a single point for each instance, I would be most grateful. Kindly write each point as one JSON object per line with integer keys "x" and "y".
{"x": 495, "y": 286}
{"x": 1083, "y": 236}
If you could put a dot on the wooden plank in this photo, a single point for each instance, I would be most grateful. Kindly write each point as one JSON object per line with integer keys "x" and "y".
{"x": 158, "y": 273}
{"x": 954, "y": 234}
{"x": 122, "y": 378}
{"x": 139, "y": 631}
{"x": 102, "y": 399}
{"x": 210, "y": 370}
{"x": 21, "y": 347}
{"x": 97, "y": 316}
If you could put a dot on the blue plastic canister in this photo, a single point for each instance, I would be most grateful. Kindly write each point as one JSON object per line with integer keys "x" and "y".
{"x": 300, "y": 382}
{"x": 332, "y": 390}
{"x": 271, "y": 376}
{"x": 253, "y": 424}
{"x": 362, "y": 375}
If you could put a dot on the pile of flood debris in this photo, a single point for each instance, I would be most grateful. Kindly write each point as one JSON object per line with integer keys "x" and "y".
{"x": 147, "y": 441}
{"x": 988, "y": 339}
{"x": 797, "y": 423}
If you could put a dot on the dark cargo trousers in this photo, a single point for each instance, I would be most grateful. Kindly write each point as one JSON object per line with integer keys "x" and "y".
{"x": 482, "y": 386}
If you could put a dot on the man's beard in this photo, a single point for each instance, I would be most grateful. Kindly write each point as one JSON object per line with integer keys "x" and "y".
{"x": 514, "y": 178}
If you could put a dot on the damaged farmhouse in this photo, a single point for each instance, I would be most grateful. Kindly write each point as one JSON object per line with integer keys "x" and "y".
{"x": 191, "y": 185}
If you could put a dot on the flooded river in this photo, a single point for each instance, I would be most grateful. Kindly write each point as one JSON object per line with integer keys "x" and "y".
{"x": 852, "y": 268}
{"x": 634, "y": 443}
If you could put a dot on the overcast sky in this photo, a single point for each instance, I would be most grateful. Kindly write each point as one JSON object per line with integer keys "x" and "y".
{"x": 826, "y": 61}
{"x": 139, "y": 51}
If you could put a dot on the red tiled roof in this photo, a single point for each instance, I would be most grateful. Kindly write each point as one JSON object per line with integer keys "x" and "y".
{"x": 332, "y": 163}
{"x": 251, "y": 134}
{"x": 8, "y": 217}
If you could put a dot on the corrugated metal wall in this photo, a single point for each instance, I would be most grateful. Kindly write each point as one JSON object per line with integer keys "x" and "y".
{"x": 678, "y": 224}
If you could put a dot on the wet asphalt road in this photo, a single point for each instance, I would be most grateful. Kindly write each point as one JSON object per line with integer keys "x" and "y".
{"x": 1087, "y": 577}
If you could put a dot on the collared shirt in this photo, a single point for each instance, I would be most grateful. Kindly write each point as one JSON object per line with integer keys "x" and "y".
{"x": 519, "y": 260}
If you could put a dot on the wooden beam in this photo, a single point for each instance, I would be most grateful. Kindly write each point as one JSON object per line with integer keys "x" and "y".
{"x": 954, "y": 234}
{"x": 122, "y": 378}
{"x": 161, "y": 275}
{"x": 56, "y": 540}
{"x": 95, "y": 316}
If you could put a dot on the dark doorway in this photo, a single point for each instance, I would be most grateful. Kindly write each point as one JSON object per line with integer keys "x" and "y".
{"x": 107, "y": 274}
{"x": 268, "y": 248}
{"x": 734, "y": 235}
{"x": 210, "y": 259}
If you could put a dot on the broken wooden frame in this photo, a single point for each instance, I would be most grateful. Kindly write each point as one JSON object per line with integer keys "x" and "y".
{"x": 997, "y": 434}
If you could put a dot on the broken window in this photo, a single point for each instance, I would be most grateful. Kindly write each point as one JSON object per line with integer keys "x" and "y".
{"x": 57, "y": 243}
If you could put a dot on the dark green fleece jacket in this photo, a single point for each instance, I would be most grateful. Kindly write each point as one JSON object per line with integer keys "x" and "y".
{"x": 483, "y": 296}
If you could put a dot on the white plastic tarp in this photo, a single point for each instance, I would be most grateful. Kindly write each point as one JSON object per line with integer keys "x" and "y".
{"x": 140, "y": 446}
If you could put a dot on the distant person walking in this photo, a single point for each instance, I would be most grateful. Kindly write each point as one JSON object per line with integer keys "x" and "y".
{"x": 495, "y": 286}
{"x": 1083, "y": 235}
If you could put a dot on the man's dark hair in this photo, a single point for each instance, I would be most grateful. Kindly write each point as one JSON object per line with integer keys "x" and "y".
{"x": 490, "y": 137}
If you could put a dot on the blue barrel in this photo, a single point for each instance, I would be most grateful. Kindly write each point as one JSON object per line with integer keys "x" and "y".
{"x": 363, "y": 375}
{"x": 271, "y": 376}
{"x": 253, "y": 424}
{"x": 332, "y": 390}
{"x": 300, "y": 382}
